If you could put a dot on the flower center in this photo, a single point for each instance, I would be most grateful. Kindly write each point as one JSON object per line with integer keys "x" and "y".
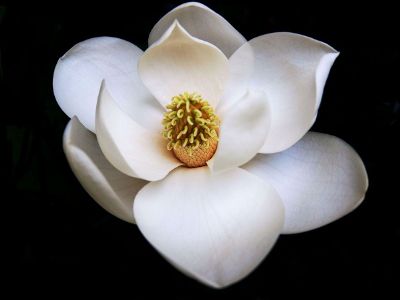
{"x": 191, "y": 127}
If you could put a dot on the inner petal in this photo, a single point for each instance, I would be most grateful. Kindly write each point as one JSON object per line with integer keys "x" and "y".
{"x": 191, "y": 128}
{"x": 179, "y": 62}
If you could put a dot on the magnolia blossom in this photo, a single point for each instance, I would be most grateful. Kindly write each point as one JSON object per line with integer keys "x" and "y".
{"x": 201, "y": 140}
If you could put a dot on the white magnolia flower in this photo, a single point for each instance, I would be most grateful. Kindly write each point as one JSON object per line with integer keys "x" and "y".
{"x": 234, "y": 166}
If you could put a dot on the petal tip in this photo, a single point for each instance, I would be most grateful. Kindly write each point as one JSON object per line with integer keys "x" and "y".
{"x": 202, "y": 22}
{"x": 73, "y": 125}
{"x": 174, "y": 31}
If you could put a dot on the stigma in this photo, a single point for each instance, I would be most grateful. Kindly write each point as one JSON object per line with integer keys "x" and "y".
{"x": 191, "y": 128}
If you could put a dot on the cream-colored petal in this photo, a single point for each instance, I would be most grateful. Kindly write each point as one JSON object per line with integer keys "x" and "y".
{"x": 79, "y": 72}
{"x": 111, "y": 189}
{"x": 215, "y": 227}
{"x": 320, "y": 179}
{"x": 179, "y": 63}
{"x": 132, "y": 149}
{"x": 203, "y": 23}
{"x": 291, "y": 69}
{"x": 243, "y": 131}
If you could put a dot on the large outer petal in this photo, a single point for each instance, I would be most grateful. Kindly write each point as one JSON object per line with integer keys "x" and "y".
{"x": 131, "y": 148}
{"x": 291, "y": 69}
{"x": 243, "y": 131}
{"x": 113, "y": 190}
{"x": 203, "y": 23}
{"x": 320, "y": 179}
{"x": 215, "y": 228}
{"x": 79, "y": 72}
{"x": 179, "y": 63}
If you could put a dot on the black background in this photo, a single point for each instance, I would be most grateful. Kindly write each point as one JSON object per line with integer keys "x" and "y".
{"x": 57, "y": 236}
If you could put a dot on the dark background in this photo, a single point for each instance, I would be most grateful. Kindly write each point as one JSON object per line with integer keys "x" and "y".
{"x": 57, "y": 236}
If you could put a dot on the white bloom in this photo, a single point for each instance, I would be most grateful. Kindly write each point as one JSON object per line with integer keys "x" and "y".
{"x": 215, "y": 222}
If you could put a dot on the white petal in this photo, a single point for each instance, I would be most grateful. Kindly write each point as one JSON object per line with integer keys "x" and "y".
{"x": 203, "y": 23}
{"x": 291, "y": 69}
{"x": 320, "y": 179}
{"x": 110, "y": 188}
{"x": 79, "y": 72}
{"x": 243, "y": 131}
{"x": 131, "y": 148}
{"x": 321, "y": 75}
{"x": 215, "y": 227}
{"x": 180, "y": 63}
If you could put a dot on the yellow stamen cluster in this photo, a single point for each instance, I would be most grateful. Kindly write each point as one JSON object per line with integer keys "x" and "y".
{"x": 191, "y": 127}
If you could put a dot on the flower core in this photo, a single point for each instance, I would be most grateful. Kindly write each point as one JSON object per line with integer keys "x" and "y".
{"x": 191, "y": 127}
